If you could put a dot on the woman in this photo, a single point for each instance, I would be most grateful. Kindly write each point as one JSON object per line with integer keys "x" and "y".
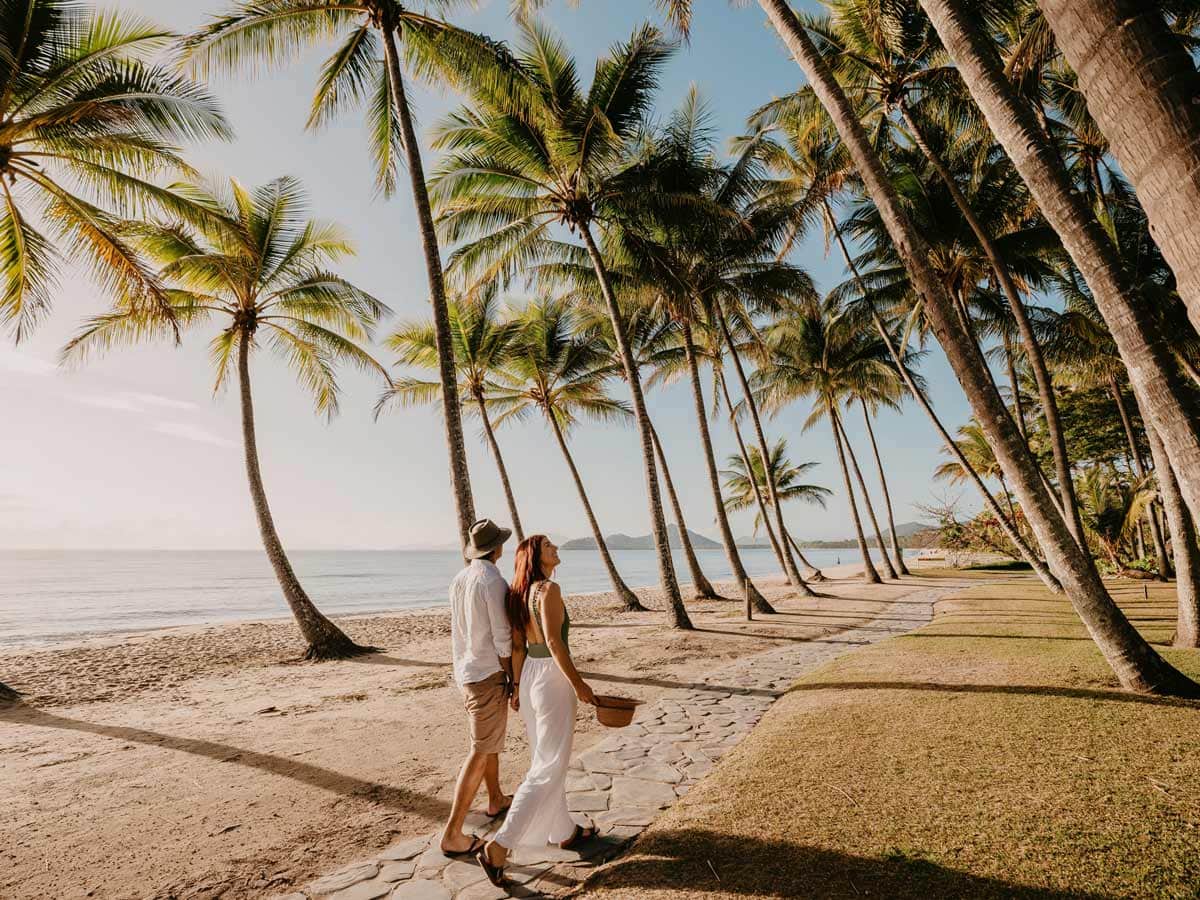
{"x": 546, "y": 687}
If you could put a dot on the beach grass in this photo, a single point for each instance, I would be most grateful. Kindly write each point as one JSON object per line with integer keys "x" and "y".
{"x": 989, "y": 754}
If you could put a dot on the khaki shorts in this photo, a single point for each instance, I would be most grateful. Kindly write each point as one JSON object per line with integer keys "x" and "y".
{"x": 487, "y": 710}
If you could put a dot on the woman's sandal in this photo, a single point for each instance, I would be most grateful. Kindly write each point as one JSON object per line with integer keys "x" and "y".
{"x": 495, "y": 874}
{"x": 580, "y": 834}
{"x": 476, "y": 843}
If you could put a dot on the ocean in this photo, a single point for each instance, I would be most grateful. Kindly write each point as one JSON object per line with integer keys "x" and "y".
{"x": 53, "y": 596}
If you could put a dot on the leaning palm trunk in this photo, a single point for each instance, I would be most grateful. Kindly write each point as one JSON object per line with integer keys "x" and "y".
{"x": 325, "y": 640}
{"x": 460, "y": 476}
{"x": 870, "y": 576}
{"x": 888, "y": 568}
{"x": 887, "y": 497}
{"x": 1183, "y": 538}
{"x": 700, "y": 584}
{"x": 789, "y": 564}
{"x": 1139, "y": 465}
{"x": 495, "y": 447}
{"x": 763, "y": 513}
{"x": 628, "y": 598}
{"x": 814, "y": 574}
{"x": 7, "y": 694}
{"x": 754, "y": 599}
{"x": 676, "y": 612}
{"x": 1140, "y": 86}
{"x": 1153, "y": 371}
{"x": 1033, "y": 348}
{"x": 1007, "y": 524}
{"x": 1135, "y": 663}
{"x": 1015, "y": 386}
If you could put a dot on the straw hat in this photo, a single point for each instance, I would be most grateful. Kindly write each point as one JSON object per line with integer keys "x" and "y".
{"x": 486, "y": 536}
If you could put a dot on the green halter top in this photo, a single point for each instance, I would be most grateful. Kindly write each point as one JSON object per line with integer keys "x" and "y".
{"x": 542, "y": 650}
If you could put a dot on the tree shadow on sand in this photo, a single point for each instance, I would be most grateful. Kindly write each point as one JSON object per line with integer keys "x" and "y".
{"x": 690, "y": 861}
{"x": 316, "y": 776}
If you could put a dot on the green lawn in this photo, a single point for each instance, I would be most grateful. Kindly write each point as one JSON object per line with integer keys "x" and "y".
{"x": 990, "y": 754}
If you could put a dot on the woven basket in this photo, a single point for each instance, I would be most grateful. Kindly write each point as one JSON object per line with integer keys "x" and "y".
{"x": 615, "y": 712}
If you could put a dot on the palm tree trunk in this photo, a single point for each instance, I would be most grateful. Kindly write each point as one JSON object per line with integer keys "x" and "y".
{"x": 1139, "y": 465}
{"x": 763, "y": 512}
{"x": 1007, "y": 525}
{"x": 1029, "y": 341}
{"x": 7, "y": 694}
{"x": 887, "y": 497}
{"x": 754, "y": 599}
{"x": 1007, "y": 497}
{"x": 870, "y": 576}
{"x": 1183, "y": 539}
{"x": 1139, "y": 83}
{"x": 700, "y": 584}
{"x": 628, "y": 598}
{"x": 1156, "y": 381}
{"x": 676, "y": 613}
{"x": 814, "y": 574}
{"x": 460, "y": 476}
{"x": 1015, "y": 384}
{"x": 495, "y": 446}
{"x": 324, "y": 639}
{"x": 889, "y": 569}
{"x": 1136, "y": 664}
{"x": 789, "y": 564}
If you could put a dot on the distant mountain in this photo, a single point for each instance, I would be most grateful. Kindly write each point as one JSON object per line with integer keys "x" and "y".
{"x": 645, "y": 542}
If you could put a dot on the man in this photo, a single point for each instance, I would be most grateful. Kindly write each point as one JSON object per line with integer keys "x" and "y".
{"x": 481, "y": 639}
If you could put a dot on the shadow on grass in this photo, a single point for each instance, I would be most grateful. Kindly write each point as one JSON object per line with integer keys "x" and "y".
{"x": 1030, "y": 690}
{"x": 690, "y": 861}
{"x": 316, "y": 776}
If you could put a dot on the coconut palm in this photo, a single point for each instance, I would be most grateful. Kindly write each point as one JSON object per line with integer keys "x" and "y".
{"x": 887, "y": 53}
{"x": 365, "y": 71}
{"x": 1112, "y": 509}
{"x": 1153, "y": 372}
{"x": 651, "y": 337}
{"x": 740, "y": 481}
{"x": 87, "y": 124}
{"x": 1138, "y": 88}
{"x": 818, "y": 352}
{"x": 482, "y": 345}
{"x": 973, "y": 447}
{"x": 521, "y": 163}
{"x": 813, "y": 172}
{"x": 253, "y": 265}
{"x": 560, "y": 371}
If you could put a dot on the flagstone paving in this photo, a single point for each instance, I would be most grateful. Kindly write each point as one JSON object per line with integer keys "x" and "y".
{"x": 627, "y": 779}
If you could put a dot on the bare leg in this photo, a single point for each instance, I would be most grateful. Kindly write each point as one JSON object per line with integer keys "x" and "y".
{"x": 467, "y": 787}
{"x": 497, "y": 799}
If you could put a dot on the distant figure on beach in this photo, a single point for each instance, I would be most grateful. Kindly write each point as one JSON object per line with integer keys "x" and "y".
{"x": 481, "y": 639}
{"x": 547, "y": 688}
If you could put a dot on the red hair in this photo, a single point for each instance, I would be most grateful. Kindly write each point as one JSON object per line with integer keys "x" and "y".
{"x": 527, "y": 571}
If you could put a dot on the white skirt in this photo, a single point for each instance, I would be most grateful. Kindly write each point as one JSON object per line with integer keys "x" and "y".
{"x": 538, "y": 815}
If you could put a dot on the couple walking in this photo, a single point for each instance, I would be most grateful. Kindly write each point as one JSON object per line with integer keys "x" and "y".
{"x": 510, "y": 647}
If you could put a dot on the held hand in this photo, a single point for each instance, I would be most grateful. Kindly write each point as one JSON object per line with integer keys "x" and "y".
{"x": 514, "y": 701}
{"x": 583, "y": 691}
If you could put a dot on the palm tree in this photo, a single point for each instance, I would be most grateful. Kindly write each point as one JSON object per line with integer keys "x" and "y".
{"x": 558, "y": 370}
{"x": 973, "y": 447}
{"x": 742, "y": 480}
{"x": 87, "y": 124}
{"x": 653, "y": 336}
{"x": 482, "y": 345}
{"x": 869, "y": 411}
{"x": 1183, "y": 536}
{"x": 365, "y": 71}
{"x": 253, "y": 263}
{"x": 1139, "y": 89}
{"x": 521, "y": 162}
{"x": 1112, "y": 509}
{"x": 887, "y": 54}
{"x": 1156, "y": 382}
{"x": 814, "y": 171}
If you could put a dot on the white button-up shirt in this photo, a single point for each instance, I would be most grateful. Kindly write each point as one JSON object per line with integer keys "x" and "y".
{"x": 479, "y": 629}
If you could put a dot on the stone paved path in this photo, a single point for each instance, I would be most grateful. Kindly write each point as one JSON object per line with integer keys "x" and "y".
{"x": 628, "y": 778}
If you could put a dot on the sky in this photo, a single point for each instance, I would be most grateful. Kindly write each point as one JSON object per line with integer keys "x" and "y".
{"x": 133, "y": 450}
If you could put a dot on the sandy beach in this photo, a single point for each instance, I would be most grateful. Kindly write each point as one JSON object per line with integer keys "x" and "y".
{"x": 200, "y": 763}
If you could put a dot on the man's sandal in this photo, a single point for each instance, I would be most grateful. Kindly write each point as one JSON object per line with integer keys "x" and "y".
{"x": 476, "y": 843}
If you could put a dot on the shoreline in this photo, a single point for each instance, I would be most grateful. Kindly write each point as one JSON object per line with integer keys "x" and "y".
{"x": 99, "y": 639}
